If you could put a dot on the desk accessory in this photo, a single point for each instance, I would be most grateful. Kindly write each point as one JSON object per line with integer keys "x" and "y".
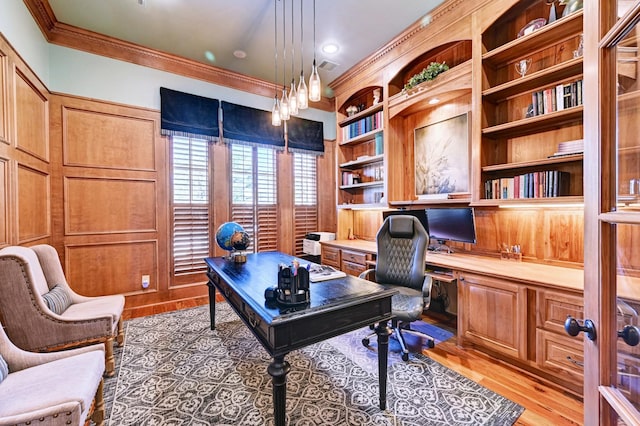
{"x": 293, "y": 286}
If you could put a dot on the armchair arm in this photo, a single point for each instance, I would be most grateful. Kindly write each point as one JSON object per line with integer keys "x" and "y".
{"x": 427, "y": 284}
{"x": 61, "y": 414}
{"x": 20, "y": 360}
{"x": 369, "y": 274}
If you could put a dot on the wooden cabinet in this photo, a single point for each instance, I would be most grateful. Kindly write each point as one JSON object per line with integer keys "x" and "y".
{"x": 350, "y": 260}
{"x": 493, "y": 314}
{"x": 361, "y": 168}
{"x": 531, "y": 136}
{"x": 557, "y": 353}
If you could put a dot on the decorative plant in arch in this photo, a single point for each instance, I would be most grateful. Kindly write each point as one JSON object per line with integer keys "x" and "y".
{"x": 428, "y": 73}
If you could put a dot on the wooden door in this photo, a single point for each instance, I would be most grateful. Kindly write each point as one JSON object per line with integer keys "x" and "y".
{"x": 612, "y": 212}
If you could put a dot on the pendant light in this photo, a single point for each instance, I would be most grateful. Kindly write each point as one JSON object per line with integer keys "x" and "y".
{"x": 303, "y": 94}
{"x": 284, "y": 100}
{"x": 314, "y": 81}
{"x": 275, "y": 111}
{"x": 293, "y": 95}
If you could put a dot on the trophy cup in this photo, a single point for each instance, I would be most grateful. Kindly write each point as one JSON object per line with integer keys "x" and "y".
{"x": 523, "y": 66}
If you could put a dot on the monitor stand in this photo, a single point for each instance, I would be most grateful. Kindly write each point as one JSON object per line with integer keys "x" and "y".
{"x": 441, "y": 247}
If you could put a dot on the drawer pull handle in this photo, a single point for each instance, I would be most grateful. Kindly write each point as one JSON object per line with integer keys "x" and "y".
{"x": 573, "y": 361}
{"x": 253, "y": 320}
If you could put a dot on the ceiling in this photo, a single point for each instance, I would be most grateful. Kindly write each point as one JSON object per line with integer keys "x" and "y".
{"x": 210, "y": 31}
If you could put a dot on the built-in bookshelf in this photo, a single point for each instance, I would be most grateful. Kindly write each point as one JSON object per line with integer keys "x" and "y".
{"x": 361, "y": 171}
{"x": 532, "y": 107}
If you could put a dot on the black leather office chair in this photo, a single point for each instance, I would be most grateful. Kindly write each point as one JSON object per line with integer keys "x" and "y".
{"x": 402, "y": 242}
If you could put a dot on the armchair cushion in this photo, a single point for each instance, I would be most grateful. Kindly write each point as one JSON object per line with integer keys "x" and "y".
{"x": 57, "y": 299}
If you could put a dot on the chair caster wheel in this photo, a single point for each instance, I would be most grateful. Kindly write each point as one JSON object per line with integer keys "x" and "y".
{"x": 430, "y": 343}
{"x": 372, "y": 326}
{"x": 405, "y": 357}
{"x": 365, "y": 342}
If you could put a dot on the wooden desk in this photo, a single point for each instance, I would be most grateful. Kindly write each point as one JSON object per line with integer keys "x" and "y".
{"x": 336, "y": 307}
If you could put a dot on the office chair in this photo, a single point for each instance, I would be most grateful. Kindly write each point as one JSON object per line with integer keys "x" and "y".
{"x": 402, "y": 242}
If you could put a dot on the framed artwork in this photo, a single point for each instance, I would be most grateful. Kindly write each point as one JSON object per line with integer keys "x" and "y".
{"x": 441, "y": 152}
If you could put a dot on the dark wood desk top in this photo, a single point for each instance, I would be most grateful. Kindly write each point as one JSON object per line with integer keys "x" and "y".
{"x": 250, "y": 279}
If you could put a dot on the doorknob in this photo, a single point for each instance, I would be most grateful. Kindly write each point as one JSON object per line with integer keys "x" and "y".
{"x": 630, "y": 334}
{"x": 572, "y": 327}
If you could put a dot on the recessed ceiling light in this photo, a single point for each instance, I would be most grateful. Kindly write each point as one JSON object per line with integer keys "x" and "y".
{"x": 240, "y": 54}
{"x": 330, "y": 48}
{"x": 433, "y": 101}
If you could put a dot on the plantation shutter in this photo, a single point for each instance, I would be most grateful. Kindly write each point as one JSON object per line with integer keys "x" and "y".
{"x": 254, "y": 194}
{"x": 190, "y": 205}
{"x": 305, "y": 197}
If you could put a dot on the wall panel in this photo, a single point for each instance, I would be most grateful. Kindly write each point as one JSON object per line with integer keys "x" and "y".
{"x": 5, "y": 192}
{"x": 112, "y": 268}
{"x": 104, "y": 140}
{"x": 34, "y": 209}
{"x": 32, "y": 117}
{"x": 98, "y": 205}
{"x": 4, "y": 99}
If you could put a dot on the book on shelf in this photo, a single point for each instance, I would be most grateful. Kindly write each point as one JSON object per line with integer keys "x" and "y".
{"x": 557, "y": 98}
{"x": 362, "y": 126}
{"x": 569, "y": 148}
{"x": 542, "y": 184}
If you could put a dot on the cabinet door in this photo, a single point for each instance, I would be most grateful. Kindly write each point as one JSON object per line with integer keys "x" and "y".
{"x": 493, "y": 314}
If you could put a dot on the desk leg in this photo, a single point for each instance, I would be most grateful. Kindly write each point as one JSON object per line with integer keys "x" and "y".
{"x": 278, "y": 370}
{"x": 212, "y": 304}
{"x": 383, "y": 331}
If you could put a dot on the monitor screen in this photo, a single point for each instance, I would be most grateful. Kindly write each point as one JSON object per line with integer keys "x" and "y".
{"x": 420, "y": 214}
{"x": 451, "y": 224}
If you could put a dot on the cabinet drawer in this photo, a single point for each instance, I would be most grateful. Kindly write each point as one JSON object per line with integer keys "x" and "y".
{"x": 562, "y": 356}
{"x": 331, "y": 256}
{"x": 553, "y": 307}
{"x": 351, "y": 268}
{"x": 355, "y": 257}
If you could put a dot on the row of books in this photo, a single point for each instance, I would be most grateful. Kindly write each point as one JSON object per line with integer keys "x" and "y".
{"x": 557, "y": 98}
{"x": 362, "y": 126}
{"x": 550, "y": 183}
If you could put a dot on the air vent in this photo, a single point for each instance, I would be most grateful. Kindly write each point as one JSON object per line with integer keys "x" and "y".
{"x": 327, "y": 65}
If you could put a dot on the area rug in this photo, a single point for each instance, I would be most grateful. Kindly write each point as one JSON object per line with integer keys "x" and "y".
{"x": 174, "y": 370}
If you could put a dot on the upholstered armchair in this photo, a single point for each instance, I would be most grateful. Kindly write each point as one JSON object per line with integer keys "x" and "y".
{"x": 42, "y": 313}
{"x": 57, "y": 388}
{"x": 401, "y": 243}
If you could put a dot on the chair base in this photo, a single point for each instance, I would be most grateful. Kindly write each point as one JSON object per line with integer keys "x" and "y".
{"x": 398, "y": 329}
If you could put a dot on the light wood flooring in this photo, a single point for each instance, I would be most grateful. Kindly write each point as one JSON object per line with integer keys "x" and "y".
{"x": 544, "y": 404}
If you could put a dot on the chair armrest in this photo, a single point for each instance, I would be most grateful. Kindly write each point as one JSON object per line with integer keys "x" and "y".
{"x": 20, "y": 360}
{"x": 369, "y": 274}
{"x": 61, "y": 414}
{"x": 427, "y": 284}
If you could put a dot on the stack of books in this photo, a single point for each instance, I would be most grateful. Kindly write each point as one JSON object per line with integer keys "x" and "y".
{"x": 569, "y": 148}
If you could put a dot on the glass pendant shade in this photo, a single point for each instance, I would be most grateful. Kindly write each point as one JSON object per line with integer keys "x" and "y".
{"x": 303, "y": 94}
{"x": 275, "y": 113}
{"x": 293, "y": 99}
{"x": 314, "y": 84}
{"x": 284, "y": 106}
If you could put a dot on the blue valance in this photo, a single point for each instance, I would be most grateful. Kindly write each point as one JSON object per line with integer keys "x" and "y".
{"x": 306, "y": 136}
{"x": 241, "y": 124}
{"x": 183, "y": 114}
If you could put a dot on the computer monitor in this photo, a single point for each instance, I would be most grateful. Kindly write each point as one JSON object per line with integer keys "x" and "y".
{"x": 451, "y": 224}
{"x": 419, "y": 213}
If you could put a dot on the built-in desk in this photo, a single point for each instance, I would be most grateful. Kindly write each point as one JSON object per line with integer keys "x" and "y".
{"x": 512, "y": 310}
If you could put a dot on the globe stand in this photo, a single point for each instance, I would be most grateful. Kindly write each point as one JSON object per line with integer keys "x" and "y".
{"x": 239, "y": 257}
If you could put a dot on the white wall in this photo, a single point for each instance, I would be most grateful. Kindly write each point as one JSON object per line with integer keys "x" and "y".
{"x": 73, "y": 72}
{"x": 22, "y": 32}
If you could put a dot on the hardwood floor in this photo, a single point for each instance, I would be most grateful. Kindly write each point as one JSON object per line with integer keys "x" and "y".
{"x": 544, "y": 404}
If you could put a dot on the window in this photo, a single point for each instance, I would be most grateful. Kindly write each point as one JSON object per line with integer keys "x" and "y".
{"x": 254, "y": 194}
{"x": 305, "y": 197}
{"x": 190, "y": 205}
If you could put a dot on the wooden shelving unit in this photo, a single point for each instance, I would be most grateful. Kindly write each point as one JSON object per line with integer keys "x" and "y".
{"x": 516, "y": 138}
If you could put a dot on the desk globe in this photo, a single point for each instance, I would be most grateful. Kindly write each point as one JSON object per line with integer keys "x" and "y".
{"x": 232, "y": 237}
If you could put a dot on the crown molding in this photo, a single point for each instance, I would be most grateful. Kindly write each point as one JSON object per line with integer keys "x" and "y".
{"x": 88, "y": 41}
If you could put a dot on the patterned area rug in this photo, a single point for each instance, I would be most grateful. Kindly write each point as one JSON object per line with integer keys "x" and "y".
{"x": 174, "y": 370}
